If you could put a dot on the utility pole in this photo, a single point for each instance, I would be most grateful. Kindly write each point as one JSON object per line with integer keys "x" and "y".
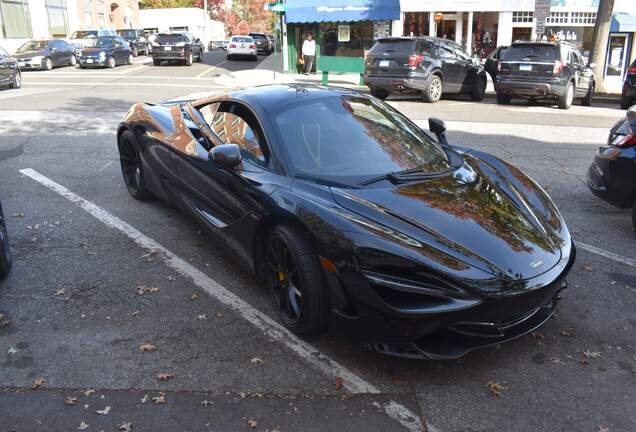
{"x": 599, "y": 40}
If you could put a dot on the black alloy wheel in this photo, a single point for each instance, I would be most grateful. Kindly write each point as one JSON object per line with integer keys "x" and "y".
{"x": 626, "y": 102}
{"x": 565, "y": 100}
{"x": 479, "y": 89}
{"x": 17, "y": 80}
{"x": 589, "y": 96}
{"x": 110, "y": 63}
{"x": 130, "y": 59}
{"x": 132, "y": 168}
{"x": 189, "y": 59}
{"x": 135, "y": 51}
{"x": 5, "y": 250}
{"x": 295, "y": 281}
{"x": 503, "y": 98}
{"x": 47, "y": 64}
{"x": 434, "y": 88}
{"x": 73, "y": 60}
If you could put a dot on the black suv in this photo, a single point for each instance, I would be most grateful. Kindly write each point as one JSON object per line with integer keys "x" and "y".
{"x": 136, "y": 39}
{"x": 182, "y": 47}
{"x": 539, "y": 70}
{"x": 263, "y": 43}
{"x": 628, "y": 97}
{"x": 431, "y": 66}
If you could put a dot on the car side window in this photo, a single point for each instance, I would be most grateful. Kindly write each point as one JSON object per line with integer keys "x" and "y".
{"x": 461, "y": 54}
{"x": 446, "y": 52}
{"x": 234, "y": 124}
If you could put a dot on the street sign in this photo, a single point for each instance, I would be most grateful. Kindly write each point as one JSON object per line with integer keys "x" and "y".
{"x": 541, "y": 13}
{"x": 276, "y": 7}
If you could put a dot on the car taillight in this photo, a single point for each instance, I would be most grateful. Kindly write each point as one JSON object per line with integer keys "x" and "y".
{"x": 232, "y": 46}
{"x": 628, "y": 141}
{"x": 558, "y": 67}
{"x": 252, "y": 46}
{"x": 631, "y": 70}
{"x": 415, "y": 59}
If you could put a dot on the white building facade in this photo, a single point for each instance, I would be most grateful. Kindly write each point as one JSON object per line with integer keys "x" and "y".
{"x": 193, "y": 20}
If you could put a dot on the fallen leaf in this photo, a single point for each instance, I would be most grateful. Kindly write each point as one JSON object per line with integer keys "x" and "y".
{"x": 205, "y": 402}
{"x": 494, "y": 387}
{"x": 150, "y": 255}
{"x": 135, "y": 313}
{"x": 603, "y": 429}
{"x": 60, "y": 291}
{"x": 537, "y": 335}
{"x": 144, "y": 399}
{"x": 126, "y": 427}
{"x": 555, "y": 360}
{"x": 83, "y": 426}
{"x": 592, "y": 354}
{"x": 161, "y": 399}
{"x": 257, "y": 361}
{"x": 18, "y": 215}
{"x": 11, "y": 351}
{"x": 203, "y": 316}
{"x": 147, "y": 348}
{"x": 164, "y": 376}
{"x": 70, "y": 400}
{"x": 34, "y": 239}
{"x": 252, "y": 423}
{"x": 89, "y": 391}
{"x": 105, "y": 411}
{"x": 587, "y": 268}
{"x": 142, "y": 290}
{"x": 38, "y": 382}
{"x": 338, "y": 383}
{"x": 219, "y": 314}
{"x": 194, "y": 296}
{"x": 566, "y": 333}
{"x": 171, "y": 278}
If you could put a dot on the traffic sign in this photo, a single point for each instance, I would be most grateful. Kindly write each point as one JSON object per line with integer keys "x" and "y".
{"x": 276, "y": 7}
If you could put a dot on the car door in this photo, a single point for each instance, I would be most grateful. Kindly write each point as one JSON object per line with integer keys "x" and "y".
{"x": 121, "y": 50}
{"x": 584, "y": 74}
{"x": 226, "y": 201}
{"x": 6, "y": 71}
{"x": 56, "y": 55}
{"x": 451, "y": 68}
{"x": 465, "y": 75}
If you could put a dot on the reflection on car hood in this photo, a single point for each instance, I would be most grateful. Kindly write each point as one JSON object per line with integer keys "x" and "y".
{"x": 29, "y": 54}
{"x": 488, "y": 214}
{"x": 95, "y": 51}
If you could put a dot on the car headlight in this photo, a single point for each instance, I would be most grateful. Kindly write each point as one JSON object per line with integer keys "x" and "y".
{"x": 180, "y": 44}
{"x": 102, "y": 55}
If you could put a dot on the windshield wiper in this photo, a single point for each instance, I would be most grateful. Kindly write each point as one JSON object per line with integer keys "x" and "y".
{"x": 397, "y": 177}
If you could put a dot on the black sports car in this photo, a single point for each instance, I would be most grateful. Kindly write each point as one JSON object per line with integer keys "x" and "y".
{"x": 5, "y": 250}
{"x": 612, "y": 175}
{"x": 356, "y": 218}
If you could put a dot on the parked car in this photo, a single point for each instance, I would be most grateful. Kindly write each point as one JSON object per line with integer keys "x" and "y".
{"x": 5, "y": 249}
{"x": 545, "y": 70}
{"x": 137, "y": 41}
{"x": 242, "y": 46}
{"x": 45, "y": 54}
{"x": 612, "y": 175}
{"x": 106, "y": 51}
{"x": 81, "y": 38}
{"x": 429, "y": 66}
{"x": 355, "y": 218}
{"x": 9, "y": 71}
{"x": 263, "y": 43}
{"x": 181, "y": 47}
{"x": 628, "y": 96}
{"x": 217, "y": 45}
{"x": 491, "y": 63}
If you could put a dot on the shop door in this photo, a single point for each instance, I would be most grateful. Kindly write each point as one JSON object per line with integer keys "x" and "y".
{"x": 616, "y": 59}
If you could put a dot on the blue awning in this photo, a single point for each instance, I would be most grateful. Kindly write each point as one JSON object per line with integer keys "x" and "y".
{"x": 623, "y": 22}
{"x": 302, "y": 11}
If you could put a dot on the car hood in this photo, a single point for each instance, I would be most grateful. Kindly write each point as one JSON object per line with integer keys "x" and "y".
{"x": 486, "y": 213}
{"x": 29, "y": 54}
{"x": 93, "y": 51}
{"x": 81, "y": 43}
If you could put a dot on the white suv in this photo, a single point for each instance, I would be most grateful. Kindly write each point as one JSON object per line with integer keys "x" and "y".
{"x": 242, "y": 46}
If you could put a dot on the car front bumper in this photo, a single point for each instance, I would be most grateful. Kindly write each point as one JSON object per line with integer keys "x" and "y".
{"x": 530, "y": 88}
{"x": 608, "y": 177}
{"x": 175, "y": 54}
{"x": 29, "y": 64}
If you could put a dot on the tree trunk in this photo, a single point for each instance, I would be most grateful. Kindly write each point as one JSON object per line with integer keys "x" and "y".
{"x": 599, "y": 41}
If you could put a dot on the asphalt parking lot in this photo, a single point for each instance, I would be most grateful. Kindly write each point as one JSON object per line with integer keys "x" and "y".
{"x": 98, "y": 275}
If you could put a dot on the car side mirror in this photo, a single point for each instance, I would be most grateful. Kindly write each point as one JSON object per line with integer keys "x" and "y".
{"x": 438, "y": 127}
{"x": 226, "y": 155}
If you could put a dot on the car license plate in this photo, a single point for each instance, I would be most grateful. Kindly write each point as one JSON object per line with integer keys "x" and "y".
{"x": 167, "y": 48}
{"x": 385, "y": 63}
{"x": 242, "y": 45}
{"x": 89, "y": 60}
{"x": 525, "y": 67}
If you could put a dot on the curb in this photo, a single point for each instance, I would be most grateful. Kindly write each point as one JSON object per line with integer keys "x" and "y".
{"x": 8, "y": 151}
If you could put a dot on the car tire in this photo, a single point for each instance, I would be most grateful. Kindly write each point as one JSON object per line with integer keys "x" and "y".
{"x": 479, "y": 89}
{"x": 47, "y": 64}
{"x": 589, "y": 96}
{"x": 189, "y": 60}
{"x": 73, "y": 60}
{"x": 130, "y": 60}
{"x": 156, "y": 62}
{"x": 434, "y": 89}
{"x": 626, "y": 102}
{"x": 5, "y": 249}
{"x": 503, "y": 99}
{"x": 565, "y": 100}
{"x": 295, "y": 284}
{"x": 110, "y": 62}
{"x": 135, "y": 52}
{"x": 132, "y": 167}
{"x": 380, "y": 93}
{"x": 17, "y": 81}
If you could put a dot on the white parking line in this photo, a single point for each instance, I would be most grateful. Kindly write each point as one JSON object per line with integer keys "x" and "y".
{"x": 607, "y": 254}
{"x": 127, "y": 71}
{"x": 272, "y": 329}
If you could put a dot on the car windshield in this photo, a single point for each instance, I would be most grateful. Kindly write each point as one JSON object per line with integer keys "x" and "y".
{"x": 33, "y": 46}
{"x": 84, "y": 34}
{"x": 101, "y": 42}
{"x": 402, "y": 46}
{"x": 352, "y": 138}
{"x": 258, "y": 36}
{"x": 547, "y": 53}
{"x": 245, "y": 39}
{"x": 127, "y": 33}
{"x": 170, "y": 38}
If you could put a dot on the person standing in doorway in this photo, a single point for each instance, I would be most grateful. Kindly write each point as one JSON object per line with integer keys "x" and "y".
{"x": 309, "y": 53}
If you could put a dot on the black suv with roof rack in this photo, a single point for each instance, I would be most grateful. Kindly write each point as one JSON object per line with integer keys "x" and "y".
{"x": 544, "y": 70}
{"x": 428, "y": 65}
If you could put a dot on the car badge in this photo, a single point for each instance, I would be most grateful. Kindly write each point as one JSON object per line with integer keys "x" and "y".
{"x": 536, "y": 264}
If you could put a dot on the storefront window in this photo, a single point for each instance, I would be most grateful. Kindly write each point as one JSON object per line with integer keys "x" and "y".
{"x": 416, "y": 24}
{"x": 616, "y": 55}
{"x": 56, "y": 10}
{"x": 14, "y": 19}
{"x": 346, "y": 39}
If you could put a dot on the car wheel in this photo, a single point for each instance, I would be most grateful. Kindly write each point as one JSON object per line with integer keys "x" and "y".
{"x": 294, "y": 279}
{"x": 189, "y": 59}
{"x": 17, "y": 80}
{"x": 503, "y": 98}
{"x": 626, "y": 102}
{"x": 433, "y": 91}
{"x": 47, "y": 64}
{"x": 130, "y": 60}
{"x": 131, "y": 167}
{"x": 587, "y": 100}
{"x": 111, "y": 62}
{"x": 135, "y": 51}
{"x": 379, "y": 93}
{"x": 5, "y": 249}
{"x": 73, "y": 60}
{"x": 565, "y": 101}
{"x": 156, "y": 62}
{"x": 479, "y": 89}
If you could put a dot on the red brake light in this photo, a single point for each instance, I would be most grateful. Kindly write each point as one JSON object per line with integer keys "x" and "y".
{"x": 253, "y": 46}
{"x": 631, "y": 70}
{"x": 628, "y": 141}
{"x": 232, "y": 46}
{"x": 558, "y": 67}
{"x": 415, "y": 59}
